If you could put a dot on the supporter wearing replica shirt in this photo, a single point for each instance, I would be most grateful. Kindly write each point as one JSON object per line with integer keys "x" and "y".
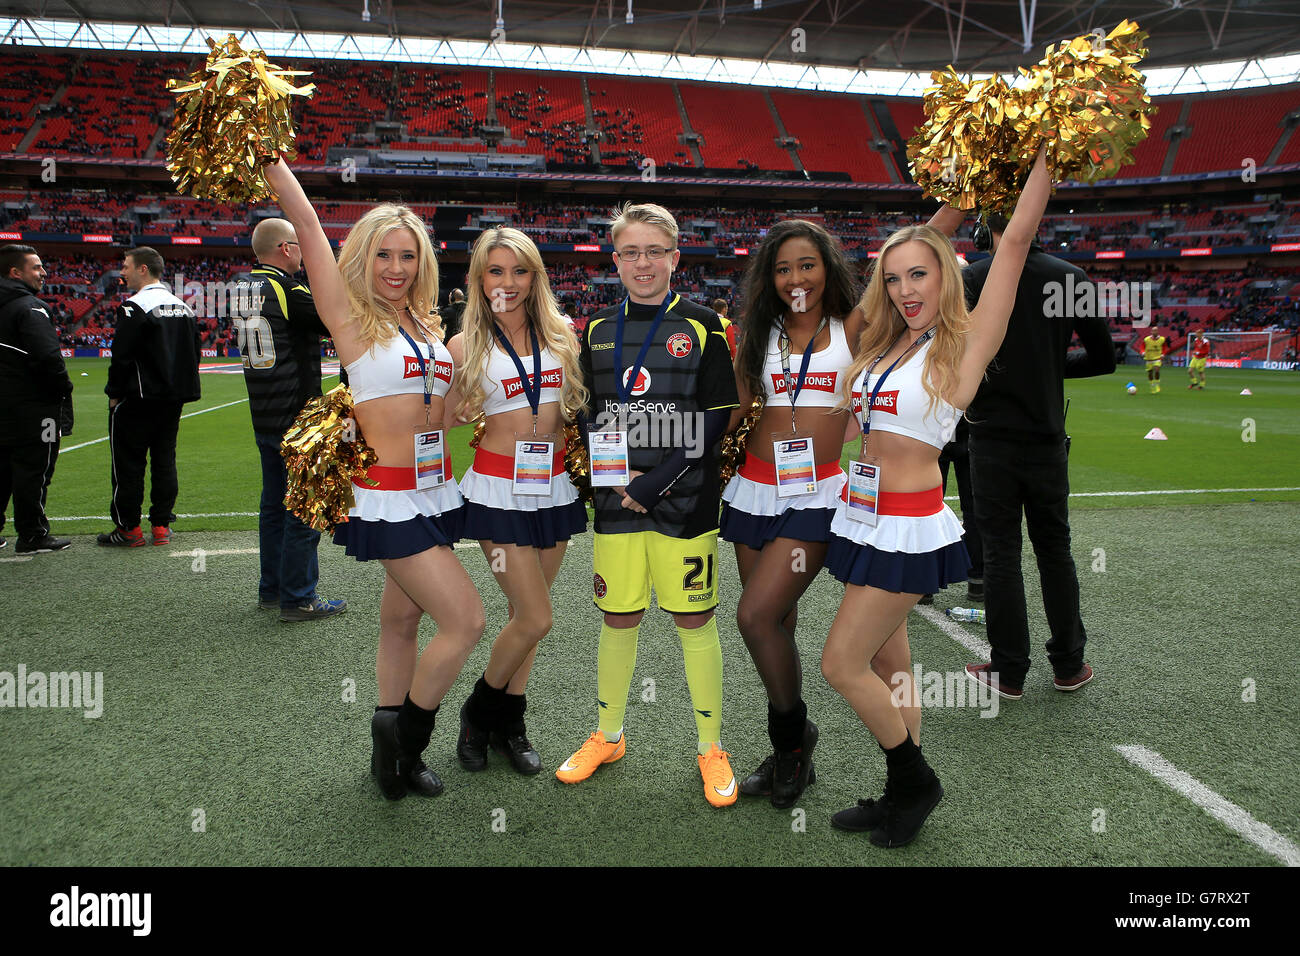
{"x": 660, "y": 530}
{"x": 280, "y": 345}
{"x": 684, "y": 374}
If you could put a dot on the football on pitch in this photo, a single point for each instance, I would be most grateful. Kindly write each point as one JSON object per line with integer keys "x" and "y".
{"x": 1132, "y": 389}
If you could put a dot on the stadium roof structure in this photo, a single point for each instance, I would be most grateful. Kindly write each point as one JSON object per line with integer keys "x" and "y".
{"x": 1195, "y": 45}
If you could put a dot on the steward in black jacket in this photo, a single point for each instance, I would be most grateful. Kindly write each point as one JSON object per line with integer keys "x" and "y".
{"x": 35, "y": 400}
{"x": 33, "y": 379}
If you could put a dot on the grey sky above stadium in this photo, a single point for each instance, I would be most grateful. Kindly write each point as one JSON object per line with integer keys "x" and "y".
{"x": 973, "y": 35}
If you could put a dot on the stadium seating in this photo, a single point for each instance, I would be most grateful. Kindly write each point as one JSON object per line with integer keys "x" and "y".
{"x": 546, "y": 110}
{"x": 638, "y": 118}
{"x": 1231, "y": 128}
{"x": 833, "y": 135}
{"x": 735, "y": 126}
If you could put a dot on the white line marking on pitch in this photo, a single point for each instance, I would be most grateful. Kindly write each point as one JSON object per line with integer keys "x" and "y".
{"x": 214, "y": 514}
{"x": 1225, "y": 811}
{"x": 197, "y": 552}
{"x": 977, "y": 646}
{"x": 201, "y": 411}
{"x": 1157, "y": 491}
{"x": 25, "y": 557}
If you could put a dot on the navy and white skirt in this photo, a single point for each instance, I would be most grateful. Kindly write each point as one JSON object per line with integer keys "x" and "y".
{"x": 915, "y": 547}
{"x": 493, "y": 512}
{"x": 753, "y": 514}
{"x": 391, "y": 519}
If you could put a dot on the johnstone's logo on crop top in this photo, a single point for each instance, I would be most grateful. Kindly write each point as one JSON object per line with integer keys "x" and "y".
{"x": 553, "y": 378}
{"x": 441, "y": 370}
{"x": 813, "y": 381}
{"x": 886, "y": 402}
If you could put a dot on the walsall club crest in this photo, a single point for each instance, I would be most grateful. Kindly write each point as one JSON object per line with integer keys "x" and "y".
{"x": 679, "y": 345}
{"x": 598, "y": 585}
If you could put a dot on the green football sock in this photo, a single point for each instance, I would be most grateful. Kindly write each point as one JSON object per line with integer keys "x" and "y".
{"x": 702, "y": 653}
{"x": 615, "y": 662}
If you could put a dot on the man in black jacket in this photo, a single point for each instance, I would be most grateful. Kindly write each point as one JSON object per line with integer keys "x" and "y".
{"x": 1019, "y": 463}
{"x": 153, "y": 372}
{"x": 279, "y": 340}
{"x": 35, "y": 399}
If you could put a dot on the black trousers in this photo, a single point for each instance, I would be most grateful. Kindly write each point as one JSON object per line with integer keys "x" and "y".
{"x": 25, "y": 474}
{"x": 958, "y": 456}
{"x": 138, "y": 428}
{"x": 1009, "y": 478}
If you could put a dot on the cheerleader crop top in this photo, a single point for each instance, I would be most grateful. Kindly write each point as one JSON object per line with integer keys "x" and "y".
{"x": 392, "y": 368}
{"x": 901, "y": 406}
{"x": 503, "y": 391}
{"x": 825, "y": 370}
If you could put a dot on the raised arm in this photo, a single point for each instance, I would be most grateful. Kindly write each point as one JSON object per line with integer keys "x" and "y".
{"x": 947, "y": 220}
{"x": 326, "y": 283}
{"x": 990, "y": 315}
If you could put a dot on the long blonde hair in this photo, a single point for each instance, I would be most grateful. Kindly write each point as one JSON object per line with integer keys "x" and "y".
{"x": 540, "y": 307}
{"x": 884, "y": 323}
{"x": 376, "y": 320}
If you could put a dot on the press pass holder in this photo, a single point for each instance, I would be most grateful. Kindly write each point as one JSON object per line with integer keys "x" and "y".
{"x": 796, "y": 464}
{"x": 430, "y": 441}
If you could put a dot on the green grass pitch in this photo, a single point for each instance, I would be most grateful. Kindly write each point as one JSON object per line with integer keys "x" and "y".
{"x": 210, "y": 705}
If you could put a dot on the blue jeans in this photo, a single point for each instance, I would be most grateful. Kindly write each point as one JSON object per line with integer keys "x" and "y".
{"x": 288, "y": 547}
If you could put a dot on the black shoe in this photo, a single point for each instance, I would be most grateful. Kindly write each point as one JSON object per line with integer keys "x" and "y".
{"x": 472, "y": 744}
{"x": 904, "y": 816}
{"x": 975, "y": 590}
{"x": 866, "y": 816}
{"x": 514, "y": 745}
{"x": 384, "y": 759}
{"x": 792, "y": 770}
{"x": 42, "y": 545}
{"x": 759, "y": 783}
{"x": 926, "y": 599}
{"x": 4, "y": 543}
{"x": 419, "y": 778}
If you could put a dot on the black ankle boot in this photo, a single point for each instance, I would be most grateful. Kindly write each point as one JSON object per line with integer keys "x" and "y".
{"x": 513, "y": 743}
{"x": 866, "y": 816}
{"x": 472, "y": 744}
{"x": 384, "y": 759}
{"x": 907, "y": 807}
{"x": 792, "y": 770}
{"x": 417, "y": 777}
{"x": 759, "y": 783}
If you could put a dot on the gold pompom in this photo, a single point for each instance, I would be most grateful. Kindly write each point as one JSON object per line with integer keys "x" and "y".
{"x": 322, "y": 452}
{"x": 1086, "y": 100}
{"x": 232, "y": 117}
{"x": 732, "y": 453}
{"x": 480, "y": 426}
{"x": 576, "y": 462}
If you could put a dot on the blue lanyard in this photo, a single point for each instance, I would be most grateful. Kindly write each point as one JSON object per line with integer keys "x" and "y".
{"x": 792, "y": 390}
{"x": 623, "y": 388}
{"x": 533, "y": 389}
{"x": 866, "y": 406}
{"x": 424, "y": 375}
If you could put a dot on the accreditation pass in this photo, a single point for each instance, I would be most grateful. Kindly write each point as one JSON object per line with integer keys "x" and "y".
{"x": 796, "y": 465}
{"x": 609, "y": 467}
{"x": 430, "y": 449}
{"x": 864, "y": 492}
{"x": 533, "y": 466}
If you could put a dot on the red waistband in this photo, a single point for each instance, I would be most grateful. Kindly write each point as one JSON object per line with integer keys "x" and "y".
{"x": 764, "y": 472}
{"x": 391, "y": 478}
{"x": 503, "y": 466}
{"x": 906, "y": 504}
